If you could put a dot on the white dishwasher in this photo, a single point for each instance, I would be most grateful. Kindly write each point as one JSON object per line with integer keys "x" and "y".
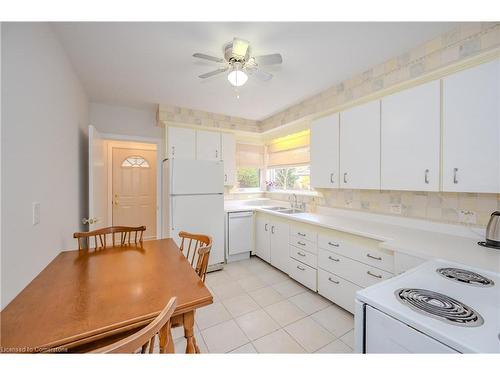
{"x": 239, "y": 235}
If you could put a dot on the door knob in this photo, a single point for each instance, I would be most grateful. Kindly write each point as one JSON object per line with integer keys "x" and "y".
{"x": 91, "y": 220}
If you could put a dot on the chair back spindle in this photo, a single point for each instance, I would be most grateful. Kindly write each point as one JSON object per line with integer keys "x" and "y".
{"x": 196, "y": 248}
{"x": 100, "y": 235}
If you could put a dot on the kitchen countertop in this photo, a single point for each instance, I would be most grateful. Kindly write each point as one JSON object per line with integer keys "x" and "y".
{"x": 416, "y": 242}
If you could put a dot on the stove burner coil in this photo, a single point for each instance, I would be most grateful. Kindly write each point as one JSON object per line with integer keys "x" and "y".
{"x": 439, "y": 306}
{"x": 465, "y": 276}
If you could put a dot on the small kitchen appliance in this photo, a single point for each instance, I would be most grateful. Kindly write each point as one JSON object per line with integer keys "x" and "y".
{"x": 493, "y": 232}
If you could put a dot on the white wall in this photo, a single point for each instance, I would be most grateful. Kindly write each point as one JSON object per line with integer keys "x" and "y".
{"x": 44, "y": 152}
{"x": 125, "y": 120}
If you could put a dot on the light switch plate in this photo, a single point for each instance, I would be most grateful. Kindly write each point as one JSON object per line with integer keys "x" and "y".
{"x": 396, "y": 209}
{"x": 36, "y": 213}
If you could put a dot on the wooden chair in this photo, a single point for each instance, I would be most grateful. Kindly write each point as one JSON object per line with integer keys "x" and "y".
{"x": 196, "y": 247}
{"x": 146, "y": 336}
{"x": 102, "y": 233}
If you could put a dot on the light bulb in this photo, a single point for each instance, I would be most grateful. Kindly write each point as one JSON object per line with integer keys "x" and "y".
{"x": 237, "y": 77}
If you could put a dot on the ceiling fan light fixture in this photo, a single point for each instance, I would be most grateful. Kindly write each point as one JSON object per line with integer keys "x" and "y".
{"x": 237, "y": 77}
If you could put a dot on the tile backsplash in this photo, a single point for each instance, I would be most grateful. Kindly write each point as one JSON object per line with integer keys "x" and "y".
{"x": 456, "y": 208}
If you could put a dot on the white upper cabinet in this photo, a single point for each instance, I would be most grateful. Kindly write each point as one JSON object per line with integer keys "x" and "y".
{"x": 360, "y": 147}
{"x": 325, "y": 152}
{"x": 208, "y": 145}
{"x": 181, "y": 143}
{"x": 471, "y": 105}
{"x": 411, "y": 126}
{"x": 229, "y": 158}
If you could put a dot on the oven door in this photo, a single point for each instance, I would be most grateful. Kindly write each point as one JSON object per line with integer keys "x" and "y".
{"x": 384, "y": 334}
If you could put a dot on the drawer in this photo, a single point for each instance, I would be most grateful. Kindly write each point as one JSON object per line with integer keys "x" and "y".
{"x": 304, "y": 256}
{"x": 303, "y": 244}
{"x": 303, "y": 274}
{"x": 351, "y": 270}
{"x": 380, "y": 258}
{"x": 305, "y": 234}
{"x": 337, "y": 290}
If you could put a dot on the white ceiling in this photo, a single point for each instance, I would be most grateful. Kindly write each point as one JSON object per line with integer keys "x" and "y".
{"x": 151, "y": 63}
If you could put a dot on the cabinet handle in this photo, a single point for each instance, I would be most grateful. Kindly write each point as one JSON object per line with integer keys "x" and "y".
{"x": 455, "y": 175}
{"x": 331, "y": 178}
{"x": 333, "y": 244}
{"x": 372, "y": 274}
{"x": 225, "y": 177}
{"x": 333, "y": 281}
{"x": 301, "y": 234}
{"x": 426, "y": 176}
{"x": 216, "y": 154}
{"x": 371, "y": 256}
{"x": 272, "y": 229}
{"x": 301, "y": 243}
{"x": 265, "y": 227}
{"x": 345, "y": 177}
{"x": 301, "y": 254}
{"x": 173, "y": 150}
{"x": 301, "y": 268}
{"x": 334, "y": 259}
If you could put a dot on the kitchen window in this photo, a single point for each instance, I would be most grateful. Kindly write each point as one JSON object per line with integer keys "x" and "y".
{"x": 289, "y": 178}
{"x": 248, "y": 178}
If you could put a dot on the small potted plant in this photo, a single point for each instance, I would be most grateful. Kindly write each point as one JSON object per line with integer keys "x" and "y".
{"x": 269, "y": 185}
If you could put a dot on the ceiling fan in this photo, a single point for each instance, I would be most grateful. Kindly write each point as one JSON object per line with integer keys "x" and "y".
{"x": 238, "y": 60}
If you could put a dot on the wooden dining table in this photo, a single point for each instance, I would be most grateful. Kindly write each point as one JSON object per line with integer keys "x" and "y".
{"x": 85, "y": 298}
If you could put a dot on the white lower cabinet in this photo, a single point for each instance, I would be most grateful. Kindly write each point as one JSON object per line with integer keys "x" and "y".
{"x": 303, "y": 274}
{"x": 335, "y": 264}
{"x": 337, "y": 289}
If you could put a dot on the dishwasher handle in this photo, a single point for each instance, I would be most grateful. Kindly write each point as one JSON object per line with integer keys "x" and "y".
{"x": 240, "y": 214}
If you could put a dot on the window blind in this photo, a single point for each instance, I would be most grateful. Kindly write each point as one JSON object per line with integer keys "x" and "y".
{"x": 290, "y": 150}
{"x": 249, "y": 156}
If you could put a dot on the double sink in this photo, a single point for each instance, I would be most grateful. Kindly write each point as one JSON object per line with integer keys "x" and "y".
{"x": 284, "y": 210}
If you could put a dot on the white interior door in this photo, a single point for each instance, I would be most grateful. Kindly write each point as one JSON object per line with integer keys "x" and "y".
{"x": 134, "y": 189}
{"x": 97, "y": 181}
{"x": 411, "y": 139}
{"x": 325, "y": 152}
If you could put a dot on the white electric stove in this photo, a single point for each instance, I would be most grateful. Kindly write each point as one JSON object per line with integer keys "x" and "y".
{"x": 437, "y": 307}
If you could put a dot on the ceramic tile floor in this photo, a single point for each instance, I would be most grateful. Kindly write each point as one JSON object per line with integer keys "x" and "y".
{"x": 259, "y": 309}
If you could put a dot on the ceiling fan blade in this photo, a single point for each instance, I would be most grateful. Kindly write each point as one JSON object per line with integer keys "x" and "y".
{"x": 272, "y": 59}
{"x": 208, "y": 57}
{"x": 213, "y": 73}
{"x": 240, "y": 47}
{"x": 260, "y": 74}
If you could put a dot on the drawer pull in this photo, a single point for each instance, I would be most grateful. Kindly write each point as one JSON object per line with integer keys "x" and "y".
{"x": 372, "y": 274}
{"x": 301, "y": 243}
{"x": 334, "y": 259}
{"x": 371, "y": 256}
{"x": 301, "y": 254}
{"x": 301, "y": 268}
{"x": 333, "y": 244}
{"x": 301, "y": 234}
{"x": 333, "y": 281}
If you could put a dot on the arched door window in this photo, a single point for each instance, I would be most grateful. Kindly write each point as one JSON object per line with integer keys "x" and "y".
{"x": 135, "y": 161}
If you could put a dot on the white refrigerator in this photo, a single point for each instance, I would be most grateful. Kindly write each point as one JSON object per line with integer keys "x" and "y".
{"x": 194, "y": 202}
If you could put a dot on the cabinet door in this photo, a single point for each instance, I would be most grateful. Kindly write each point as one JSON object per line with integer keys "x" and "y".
{"x": 325, "y": 152}
{"x": 208, "y": 145}
{"x": 410, "y": 134}
{"x": 360, "y": 147}
{"x": 280, "y": 257}
{"x": 471, "y": 105}
{"x": 181, "y": 143}
{"x": 229, "y": 158}
{"x": 262, "y": 239}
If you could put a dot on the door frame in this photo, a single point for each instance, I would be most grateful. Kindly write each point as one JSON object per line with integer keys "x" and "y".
{"x": 159, "y": 159}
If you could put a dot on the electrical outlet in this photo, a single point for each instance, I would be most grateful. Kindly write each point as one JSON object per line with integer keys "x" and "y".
{"x": 36, "y": 213}
{"x": 467, "y": 217}
{"x": 396, "y": 209}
